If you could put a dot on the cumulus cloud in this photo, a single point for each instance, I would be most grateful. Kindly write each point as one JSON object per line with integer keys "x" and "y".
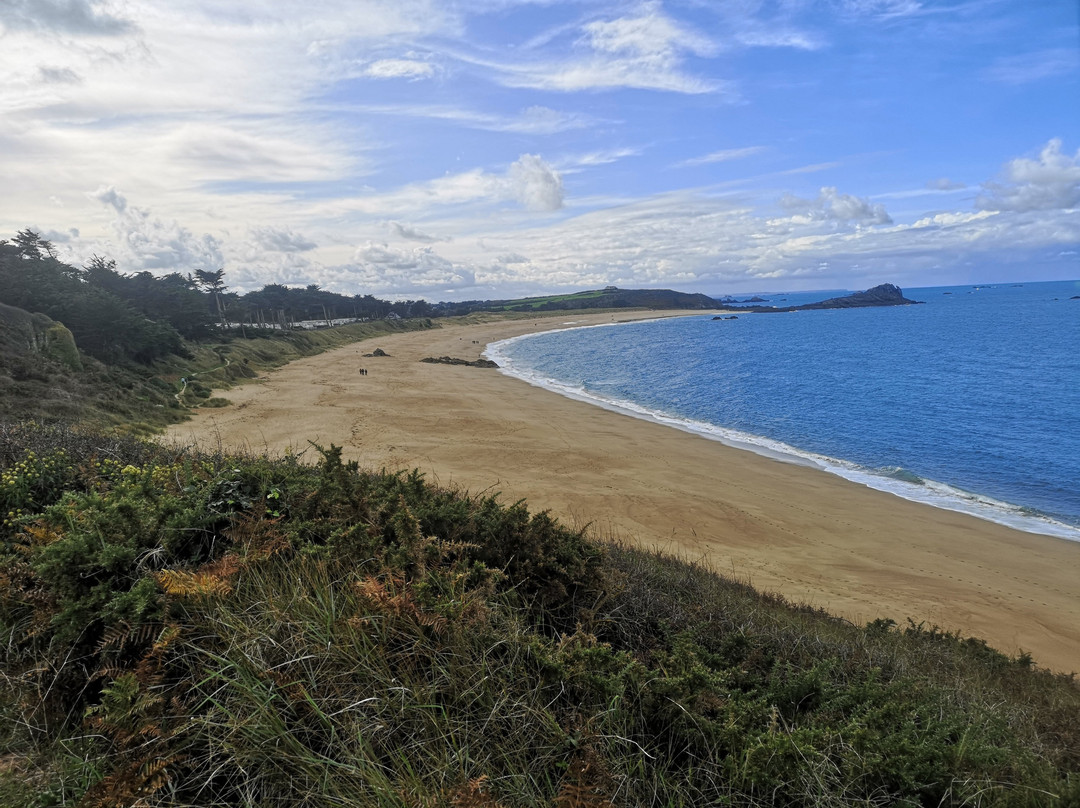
{"x": 832, "y": 205}
{"x": 62, "y": 16}
{"x": 144, "y": 241}
{"x": 535, "y": 184}
{"x": 380, "y": 266}
{"x": 410, "y": 233}
{"x": 1049, "y": 182}
{"x": 410, "y": 69}
{"x": 111, "y": 197}
{"x": 281, "y": 240}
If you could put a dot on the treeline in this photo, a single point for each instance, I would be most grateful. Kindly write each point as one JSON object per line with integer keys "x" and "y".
{"x": 140, "y": 317}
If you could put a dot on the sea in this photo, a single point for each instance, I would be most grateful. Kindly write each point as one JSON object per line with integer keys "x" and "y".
{"x": 970, "y": 401}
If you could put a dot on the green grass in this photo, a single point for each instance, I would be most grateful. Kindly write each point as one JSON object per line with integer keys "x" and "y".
{"x": 187, "y": 629}
{"x": 551, "y": 300}
{"x": 141, "y": 400}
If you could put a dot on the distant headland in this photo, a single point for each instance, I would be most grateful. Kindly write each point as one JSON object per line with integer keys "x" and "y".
{"x": 884, "y": 295}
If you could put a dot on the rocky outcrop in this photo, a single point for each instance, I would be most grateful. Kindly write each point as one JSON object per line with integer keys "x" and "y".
{"x": 377, "y": 352}
{"x": 448, "y": 360}
{"x": 884, "y": 295}
{"x": 23, "y": 333}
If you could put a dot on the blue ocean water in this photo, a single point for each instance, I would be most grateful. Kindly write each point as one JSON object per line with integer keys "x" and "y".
{"x": 969, "y": 402}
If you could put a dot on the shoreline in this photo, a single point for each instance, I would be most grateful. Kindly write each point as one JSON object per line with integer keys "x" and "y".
{"x": 804, "y": 533}
{"x": 933, "y": 493}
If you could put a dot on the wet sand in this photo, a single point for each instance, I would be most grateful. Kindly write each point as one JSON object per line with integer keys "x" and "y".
{"x": 806, "y": 534}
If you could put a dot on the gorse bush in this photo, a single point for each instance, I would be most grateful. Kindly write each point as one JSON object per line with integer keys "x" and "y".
{"x": 186, "y": 629}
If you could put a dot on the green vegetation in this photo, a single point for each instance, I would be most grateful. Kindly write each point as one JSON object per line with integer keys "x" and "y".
{"x": 186, "y": 629}
{"x": 109, "y": 350}
{"x": 551, "y": 301}
{"x": 608, "y": 298}
{"x": 142, "y": 399}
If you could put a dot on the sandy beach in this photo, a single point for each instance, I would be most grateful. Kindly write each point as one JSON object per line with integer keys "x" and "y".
{"x": 808, "y": 535}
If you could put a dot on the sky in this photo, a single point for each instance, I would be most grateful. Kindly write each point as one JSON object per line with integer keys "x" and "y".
{"x": 479, "y": 149}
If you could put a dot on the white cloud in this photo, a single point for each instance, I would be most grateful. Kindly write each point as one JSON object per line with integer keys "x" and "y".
{"x": 650, "y": 36}
{"x": 1049, "y": 182}
{"x": 535, "y": 184}
{"x": 944, "y": 184}
{"x": 722, "y": 156}
{"x": 58, "y": 75}
{"x": 399, "y": 69}
{"x": 403, "y": 271}
{"x": 260, "y": 150}
{"x": 830, "y": 204}
{"x": 951, "y": 219}
{"x": 779, "y": 38}
{"x": 530, "y": 181}
{"x": 541, "y": 120}
{"x": 410, "y": 233}
{"x": 1029, "y": 67}
{"x": 111, "y": 197}
{"x": 91, "y": 17}
{"x": 144, "y": 241}
{"x": 643, "y": 51}
{"x": 534, "y": 120}
{"x": 882, "y": 8}
{"x": 278, "y": 239}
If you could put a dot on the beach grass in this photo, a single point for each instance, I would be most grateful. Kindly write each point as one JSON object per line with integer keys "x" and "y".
{"x": 187, "y": 628}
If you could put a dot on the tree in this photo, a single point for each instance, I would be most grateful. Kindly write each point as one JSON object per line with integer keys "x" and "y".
{"x": 31, "y": 245}
{"x": 213, "y": 283}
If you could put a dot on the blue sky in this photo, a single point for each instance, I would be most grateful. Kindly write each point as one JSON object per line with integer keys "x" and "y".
{"x": 496, "y": 148}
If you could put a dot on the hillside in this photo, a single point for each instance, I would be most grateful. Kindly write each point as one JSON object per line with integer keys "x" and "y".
{"x": 607, "y": 298}
{"x": 188, "y": 629}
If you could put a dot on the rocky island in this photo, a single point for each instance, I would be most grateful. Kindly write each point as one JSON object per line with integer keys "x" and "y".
{"x": 884, "y": 295}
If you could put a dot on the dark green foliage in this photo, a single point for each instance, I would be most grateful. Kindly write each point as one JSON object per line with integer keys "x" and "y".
{"x": 104, "y": 325}
{"x": 200, "y": 630}
{"x": 173, "y": 299}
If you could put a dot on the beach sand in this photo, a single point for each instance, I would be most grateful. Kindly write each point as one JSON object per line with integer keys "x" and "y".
{"x": 803, "y": 533}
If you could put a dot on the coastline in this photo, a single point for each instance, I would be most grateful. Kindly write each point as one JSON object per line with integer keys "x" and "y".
{"x": 809, "y": 535}
{"x": 926, "y": 491}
